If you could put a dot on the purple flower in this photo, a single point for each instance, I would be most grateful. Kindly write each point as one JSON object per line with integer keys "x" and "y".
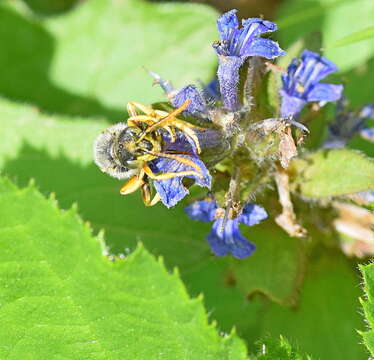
{"x": 236, "y": 45}
{"x": 349, "y": 123}
{"x": 301, "y": 83}
{"x": 172, "y": 190}
{"x": 198, "y": 104}
{"x": 225, "y": 238}
{"x": 198, "y": 101}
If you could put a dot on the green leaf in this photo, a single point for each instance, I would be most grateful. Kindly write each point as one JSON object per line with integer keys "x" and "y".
{"x": 49, "y": 7}
{"x": 62, "y": 299}
{"x": 332, "y": 18}
{"x": 277, "y": 268}
{"x": 332, "y": 173}
{"x": 281, "y": 349}
{"x": 368, "y": 305}
{"x": 357, "y": 36}
{"x": 328, "y": 299}
{"x": 91, "y": 61}
{"x": 324, "y": 322}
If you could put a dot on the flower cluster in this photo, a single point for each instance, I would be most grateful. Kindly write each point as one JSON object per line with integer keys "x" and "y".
{"x": 214, "y": 139}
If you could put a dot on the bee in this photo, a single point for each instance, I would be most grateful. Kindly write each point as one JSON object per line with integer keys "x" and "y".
{"x": 124, "y": 150}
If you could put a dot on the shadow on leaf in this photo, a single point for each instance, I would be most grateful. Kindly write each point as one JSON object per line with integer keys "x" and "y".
{"x": 26, "y": 53}
{"x": 125, "y": 220}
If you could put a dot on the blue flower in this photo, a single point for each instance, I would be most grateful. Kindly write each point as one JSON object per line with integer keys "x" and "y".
{"x": 198, "y": 104}
{"x": 236, "y": 45}
{"x": 301, "y": 83}
{"x": 198, "y": 99}
{"x": 172, "y": 190}
{"x": 349, "y": 123}
{"x": 225, "y": 238}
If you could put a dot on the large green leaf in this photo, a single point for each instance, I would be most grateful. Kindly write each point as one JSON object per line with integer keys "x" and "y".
{"x": 62, "y": 299}
{"x": 332, "y": 173}
{"x": 90, "y": 61}
{"x": 368, "y": 305}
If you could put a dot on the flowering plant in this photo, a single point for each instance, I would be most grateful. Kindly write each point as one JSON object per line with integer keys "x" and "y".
{"x": 250, "y": 151}
{"x": 254, "y": 170}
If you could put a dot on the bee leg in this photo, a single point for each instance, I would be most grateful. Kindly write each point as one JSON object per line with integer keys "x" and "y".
{"x": 169, "y": 175}
{"x": 136, "y": 120}
{"x": 185, "y": 127}
{"x": 178, "y": 158}
{"x": 165, "y": 120}
{"x": 133, "y": 184}
{"x": 132, "y": 107}
{"x": 171, "y": 133}
{"x": 146, "y": 195}
{"x": 181, "y": 125}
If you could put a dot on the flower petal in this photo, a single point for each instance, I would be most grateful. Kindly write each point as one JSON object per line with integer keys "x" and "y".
{"x": 182, "y": 143}
{"x": 202, "y": 210}
{"x": 265, "y": 48}
{"x": 230, "y": 240}
{"x": 228, "y": 76}
{"x": 368, "y": 134}
{"x": 325, "y": 92}
{"x": 367, "y": 111}
{"x": 172, "y": 190}
{"x": 252, "y": 214}
{"x": 227, "y": 24}
{"x": 288, "y": 78}
{"x": 252, "y": 29}
{"x": 211, "y": 90}
{"x": 263, "y": 26}
{"x": 291, "y": 105}
{"x": 316, "y": 67}
{"x": 197, "y": 105}
{"x": 303, "y": 77}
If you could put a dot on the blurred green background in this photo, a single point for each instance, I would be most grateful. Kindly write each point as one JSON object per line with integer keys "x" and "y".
{"x": 67, "y": 70}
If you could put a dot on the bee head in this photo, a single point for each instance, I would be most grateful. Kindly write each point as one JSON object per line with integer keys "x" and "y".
{"x": 115, "y": 151}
